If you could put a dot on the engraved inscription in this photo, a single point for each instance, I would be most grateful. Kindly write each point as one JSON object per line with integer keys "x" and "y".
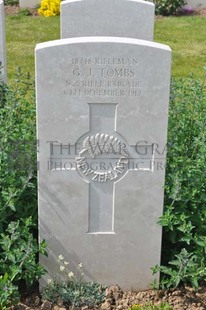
{"x": 103, "y": 77}
{"x": 101, "y": 145}
{"x": 105, "y": 61}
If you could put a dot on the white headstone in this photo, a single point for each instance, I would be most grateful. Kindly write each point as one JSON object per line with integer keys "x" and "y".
{"x": 117, "y": 18}
{"x": 29, "y": 3}
{"x": 196, "y": 4}
{"x": 3, "y": 75}
{"x": 102, "y": 107}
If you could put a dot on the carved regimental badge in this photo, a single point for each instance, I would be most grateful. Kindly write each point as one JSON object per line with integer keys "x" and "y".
{"x": 103, "y": 158}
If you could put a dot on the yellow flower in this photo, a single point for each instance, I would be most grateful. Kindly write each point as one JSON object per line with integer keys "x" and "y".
{"x": 49, "y": 8}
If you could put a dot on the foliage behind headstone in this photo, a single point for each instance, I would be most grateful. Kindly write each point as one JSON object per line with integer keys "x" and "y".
{"x": 184, "y": 219}
{"x": 168, "y": 7}
{"x": 11, "y": 2}
{"x": 18, "y": 204}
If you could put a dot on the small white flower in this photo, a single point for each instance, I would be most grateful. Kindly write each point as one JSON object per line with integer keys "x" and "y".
{"x": 66, "y": 263}
{"x": 70, "y": 274}
{"x": 62, "y": 268}
{"x": 82, "y": 274}
{"x": 80, "y": 265}
{"x": 49, "y": 281}
{"x": 61, "y": 257}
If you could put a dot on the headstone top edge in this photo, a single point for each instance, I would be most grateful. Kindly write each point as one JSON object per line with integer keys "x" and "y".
{"x": 66, "y": 2}
{"x": 122, "y": 40}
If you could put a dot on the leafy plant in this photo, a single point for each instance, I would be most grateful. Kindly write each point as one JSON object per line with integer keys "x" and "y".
{"x": 24, "y": 12}
{"x": 168, "y": 7}
{"x": 20, "y": 250}
{"x": 18, "y": 198}
{"x": 184, "y": 218}
{"x": 185, "y": 268}
{"x": 72, "y": 291}
{"x": 18, "y": 205}
{"x": 11, "y": 2}
{"x": 89, "y": 294}
{"x": 9, "y": 293}
{"x": 149, "y": 306}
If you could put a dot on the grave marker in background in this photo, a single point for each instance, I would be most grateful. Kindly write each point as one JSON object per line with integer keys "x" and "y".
{"x": 196, "y": 4}
{"x": 29, "y": 3}
{"x": 116, "y": 18}
{"x": 102, "y": 105}
{"x": 2, "y": 43}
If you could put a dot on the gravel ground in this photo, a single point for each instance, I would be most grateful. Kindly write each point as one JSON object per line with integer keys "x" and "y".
{"x": 179, "y": 299}
{"x": 14, "y": 10}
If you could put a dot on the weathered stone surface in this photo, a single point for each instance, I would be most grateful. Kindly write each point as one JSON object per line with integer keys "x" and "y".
{"x": 196, "y": 4}
{"x": 102, "y": 103}
{"x": 117, "y": 18}
{"x": 3, "y": 75}
{"x": 29, "y": 3}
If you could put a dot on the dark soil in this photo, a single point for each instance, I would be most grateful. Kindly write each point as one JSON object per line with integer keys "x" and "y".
{"x": 179, "y": 299}
{"x": 202, "y": 12}
{"x": 15, "y": 10}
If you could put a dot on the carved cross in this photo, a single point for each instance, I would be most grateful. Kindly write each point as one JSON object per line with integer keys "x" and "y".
{"x": 104, "y": 159}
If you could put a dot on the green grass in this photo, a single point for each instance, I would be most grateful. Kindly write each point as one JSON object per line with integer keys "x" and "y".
{"x": 22, "y": 35}
{"x": 185, "y": 35}
{"x": 187, "y": 38}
